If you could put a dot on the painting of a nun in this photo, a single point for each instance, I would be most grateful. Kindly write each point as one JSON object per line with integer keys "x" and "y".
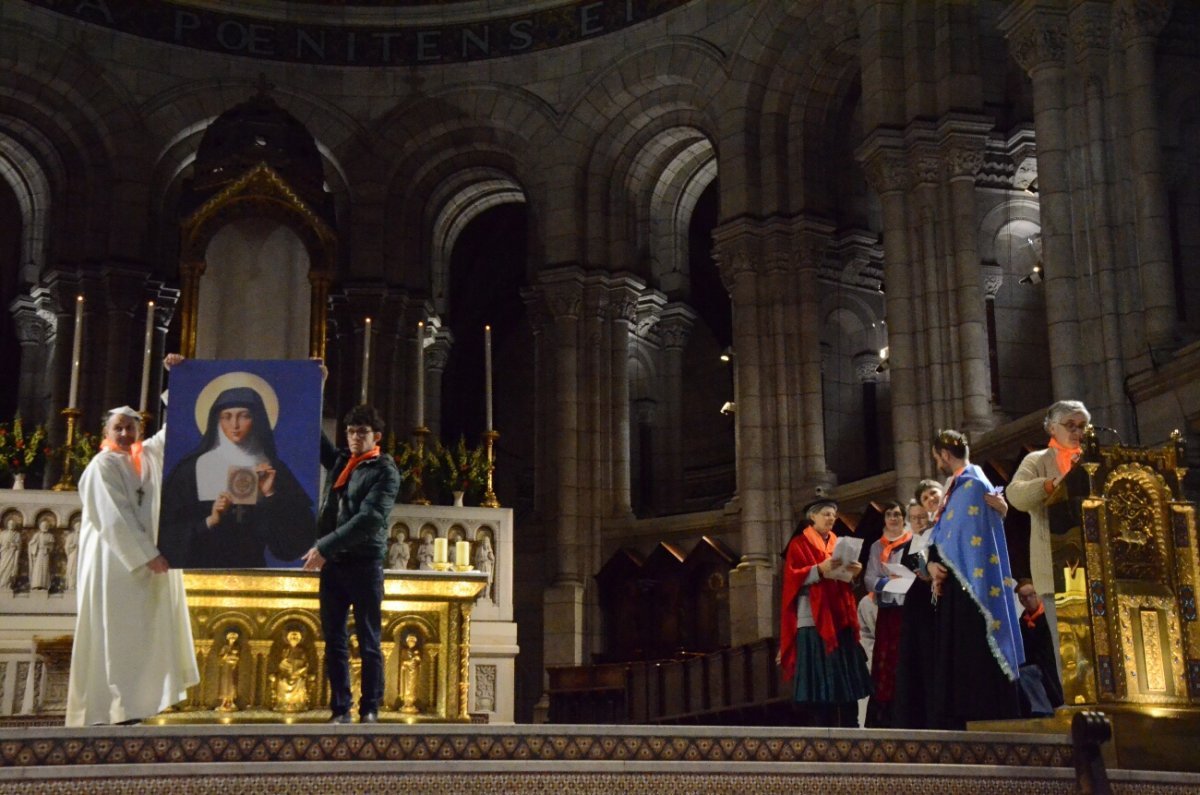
{"x": 231, "y": 500}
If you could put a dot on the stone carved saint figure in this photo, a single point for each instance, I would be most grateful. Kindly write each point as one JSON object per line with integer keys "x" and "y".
{"x": 289, "y": 683}
{"x": 400, "y": 552}
{"x": 41, "y": 545}
{"x": 425, "y": 553}
{"x": 410, "y": 674}
{"x": 10, "y": 550}
{"x": 485, "y": 561}
{"x": 71, "y": 548}
{"x": 229, "y": 658}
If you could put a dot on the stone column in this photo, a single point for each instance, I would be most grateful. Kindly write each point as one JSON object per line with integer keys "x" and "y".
{"x": 116, "y": 369}
{"x": 887, "y": 172}
{"x": 751, "y": 583}
{"x": 543, "y": 364}
{"x": 674, "y": 328}
{"x": 622, "y": 305}
{"x": 563, "y": 601}
{"x": 813, "y": 239}
{"x": 866, "y": 370}
{"x": 993, "y": 278}
{"x": 964, "y": 157}
{"x": 36, "y": 325}
{"x": 63, "y": 286}
{"x": 437, "y": 354}
{"x": 1138, "y": 23}
{"x": 1037, "y": 39}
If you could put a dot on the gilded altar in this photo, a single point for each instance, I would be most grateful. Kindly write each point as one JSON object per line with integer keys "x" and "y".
{"x": 261, "y": 656}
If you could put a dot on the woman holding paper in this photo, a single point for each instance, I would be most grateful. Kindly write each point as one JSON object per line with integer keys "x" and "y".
{"x": 889, "y": 585}
{"x": 818, "y": 640}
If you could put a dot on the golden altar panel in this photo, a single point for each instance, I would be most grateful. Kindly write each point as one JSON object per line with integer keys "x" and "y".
{"x": 261, "y": 655}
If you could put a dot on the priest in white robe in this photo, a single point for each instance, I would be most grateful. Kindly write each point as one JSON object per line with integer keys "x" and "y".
{"x": 133, "y": 655}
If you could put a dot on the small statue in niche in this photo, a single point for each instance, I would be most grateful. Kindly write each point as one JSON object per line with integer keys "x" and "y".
{"x": 229, "y": 658}
{"x": 10, "y": 549}
{"x": 71, "y": 547}
{"x": 41, "y": 545}
{"x": 485, "y": 561}
{"x": 425, "y": 553}
{"x": 289, "y": 683}
{"x": 410, "y": 674}
{"x": 400, "y": 552}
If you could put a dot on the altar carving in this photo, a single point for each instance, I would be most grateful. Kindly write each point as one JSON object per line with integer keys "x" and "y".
{"x": 294, "y": 678}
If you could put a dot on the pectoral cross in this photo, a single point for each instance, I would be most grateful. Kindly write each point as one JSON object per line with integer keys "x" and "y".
{"x": 141, "y": 494}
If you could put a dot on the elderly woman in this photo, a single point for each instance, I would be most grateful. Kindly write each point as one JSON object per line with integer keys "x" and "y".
{"x": 890, "y": 548}
{"x": 819, "y": 635}
{"x": 1034, "y": 482}
{"x": 206, "y": 526}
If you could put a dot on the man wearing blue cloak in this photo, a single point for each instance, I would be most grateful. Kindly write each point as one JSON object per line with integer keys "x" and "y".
{"x": 977, "y": 648}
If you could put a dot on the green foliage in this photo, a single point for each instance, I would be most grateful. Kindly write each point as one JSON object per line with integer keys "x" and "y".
{"x": 460, "y": 468}
{"x": 21, "y": 452}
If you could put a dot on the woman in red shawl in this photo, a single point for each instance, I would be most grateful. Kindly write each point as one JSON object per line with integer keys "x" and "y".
{"x": 818, "y": 636}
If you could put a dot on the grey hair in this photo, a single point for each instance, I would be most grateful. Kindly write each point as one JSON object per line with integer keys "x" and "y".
{"x": 1061, "y": 409}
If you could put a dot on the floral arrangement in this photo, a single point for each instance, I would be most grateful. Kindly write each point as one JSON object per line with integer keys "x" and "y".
{"x": 80, "y": 454}
{"x": 460, "y": 468}
{"x": 20, "y": 452}
{"x": 414, "y": 468}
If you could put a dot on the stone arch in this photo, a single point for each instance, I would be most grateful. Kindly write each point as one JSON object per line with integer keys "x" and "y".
{"x": 30, "y": 183}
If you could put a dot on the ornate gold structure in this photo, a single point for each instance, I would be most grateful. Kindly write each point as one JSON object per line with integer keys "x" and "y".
{"x": 277, "y": 673}
{"x": 67, "y": 481}
{"x": 489, "y": 497}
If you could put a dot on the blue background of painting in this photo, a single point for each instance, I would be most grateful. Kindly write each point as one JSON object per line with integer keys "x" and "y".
{"x": 297, "y": 385}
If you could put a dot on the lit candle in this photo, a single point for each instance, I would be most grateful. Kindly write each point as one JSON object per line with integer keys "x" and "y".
{"x": 76, "y": 350}
{"x": 441, "y": 550}
{"x": 420, "y": 376}
{"x": 462, "y": 553}
{"x": 148, "y": 349}
{"x": 487, "y": 373}
{"x": 366, "y": 367}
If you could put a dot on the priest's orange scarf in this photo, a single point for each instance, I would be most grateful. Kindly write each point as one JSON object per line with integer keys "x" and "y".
{"x": 135, "y": 453}
{"x": 1030, "y": 619}
{"x": 1063, "y": 456}
{"x": 889, "y": 546}
{"x": 354, "y": 461}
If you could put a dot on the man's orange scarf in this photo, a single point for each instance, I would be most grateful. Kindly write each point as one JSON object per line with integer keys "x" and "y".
{"x": 354, "y": 461}
{"x": 1030, "y": 619}
{"x": 135, "y": 453}
{"x": 890, "y": 546}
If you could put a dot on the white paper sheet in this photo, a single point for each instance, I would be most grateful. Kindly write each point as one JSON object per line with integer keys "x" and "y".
{"x": 845, "y": 551}
{"x": 901, "y": 582}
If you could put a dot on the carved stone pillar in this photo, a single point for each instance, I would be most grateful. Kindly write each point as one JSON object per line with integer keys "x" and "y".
{"x": 541, "y": 326}
{"x": 866, "y": 370}
{"x": 813, "y": 240}
{"x": 123, "y": 289}
{"x": 1138, "y": 23}
{"x": 36, "y": 324}
{"x": 674, "y": 328}
{"x": 437, "y": 354}
{"x": 887, "y": 171}
{"x": 993, "y": 278}
{"x": 1037, "y": 35}
{"x": 622, "y": 306}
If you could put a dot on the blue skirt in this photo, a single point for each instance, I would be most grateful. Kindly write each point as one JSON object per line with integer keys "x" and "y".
{"x": 838, "y": 678}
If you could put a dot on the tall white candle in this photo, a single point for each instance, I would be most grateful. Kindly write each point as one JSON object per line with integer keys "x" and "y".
{"x": 487, "y": 373}
{"x": 147, "y": 351}
{"x": 76, "y": 350}
{"x": 441, "y": 550}
{"x": 420, "y": 374}
{"x": 366, "y": 366}
{"x": 462, "y": 553}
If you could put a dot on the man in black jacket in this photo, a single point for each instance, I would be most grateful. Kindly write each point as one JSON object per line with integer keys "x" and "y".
{"x": 352, "y": 533}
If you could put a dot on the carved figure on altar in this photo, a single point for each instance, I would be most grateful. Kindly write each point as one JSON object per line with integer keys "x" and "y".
{"x": 400, "y": 552}
{"x": 289, "y": 683}
{"x": 356, "y": 663}
{"x": 485, "y": 561}
{"x": 71, "y": 547}
{"x": 410, "y": 674}
{"x": 10, "y": 549}
{"x": 229, "y": 658}
{"x": 425, "y": 553}
{"x": 41, "y": 545}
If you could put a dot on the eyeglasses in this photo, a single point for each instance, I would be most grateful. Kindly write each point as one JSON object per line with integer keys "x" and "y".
{"x": 897, "y": 514}
{"x": 1074, "y": 427}
{"x": 359, "y": 432}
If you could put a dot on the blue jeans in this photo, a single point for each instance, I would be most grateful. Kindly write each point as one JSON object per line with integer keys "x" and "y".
{"x": 357, "y": 584}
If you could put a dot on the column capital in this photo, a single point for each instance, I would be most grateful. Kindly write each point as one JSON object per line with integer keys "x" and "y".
{"x": 1037, "y": 33}
{"x": 885, "y": 162}
{"x": 993, "y": 278}
{"x": 35, "y": 321}
{"x": 561, "y": 290}
{"x": 737, "y": 248}
{"x": 437, "y": 352}
{"x": 1136, "y": 20}
{"x": 675, "y": 325}
{"x": 866, "y": 367}
{"x": 1091, "y": 28}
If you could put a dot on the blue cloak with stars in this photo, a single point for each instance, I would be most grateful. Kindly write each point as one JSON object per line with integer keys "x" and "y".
{"x": 969, "y": 537}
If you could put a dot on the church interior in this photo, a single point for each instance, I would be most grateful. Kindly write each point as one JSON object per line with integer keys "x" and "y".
{"x": 675, "y": 268}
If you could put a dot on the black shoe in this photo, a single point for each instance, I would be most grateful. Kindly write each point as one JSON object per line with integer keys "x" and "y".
{"x": 342, "y": 718}
{"x": 369, "y": 717}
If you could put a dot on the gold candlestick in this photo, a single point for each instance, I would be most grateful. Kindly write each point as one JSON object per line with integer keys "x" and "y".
{"x": 489, "y": 497}
{"x": 418, "y": 497}
{"x": 67, "y": 481}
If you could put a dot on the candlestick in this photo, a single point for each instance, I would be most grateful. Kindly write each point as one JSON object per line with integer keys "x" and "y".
{"x": 366, "y": 365}
{"x": 67, "y": 481}
{"x": 489, "y": 497}
{"x": 76, "y": 350}
{"x": 147, "y": 350}
{"x": 487, "y": 373}
{"x": 420, "y": 374}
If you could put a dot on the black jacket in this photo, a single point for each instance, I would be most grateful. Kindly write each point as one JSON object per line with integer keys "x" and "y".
{"x": 352, "y": 523}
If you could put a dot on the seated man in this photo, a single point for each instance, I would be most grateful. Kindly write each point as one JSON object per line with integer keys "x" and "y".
{"x": 1039, "y": 644}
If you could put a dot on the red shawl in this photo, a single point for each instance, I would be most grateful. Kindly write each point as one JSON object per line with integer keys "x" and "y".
{"x": 832, "y": 601}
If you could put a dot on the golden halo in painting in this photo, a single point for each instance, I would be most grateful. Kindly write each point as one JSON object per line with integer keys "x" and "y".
{"x": 233, "y": 380}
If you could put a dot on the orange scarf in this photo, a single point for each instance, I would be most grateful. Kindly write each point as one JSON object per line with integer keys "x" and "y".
{"x": 1030, "y": 619}
{"x": 824, "y": 544}
{"x": 135, "y": 453}
{"x": 1063, "y": 456}
{"x": 354, "y": 461}
{"x": 889, "y": 546}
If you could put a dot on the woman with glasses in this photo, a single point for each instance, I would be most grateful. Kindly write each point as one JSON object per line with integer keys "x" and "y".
{"x": 890, "y": 548}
